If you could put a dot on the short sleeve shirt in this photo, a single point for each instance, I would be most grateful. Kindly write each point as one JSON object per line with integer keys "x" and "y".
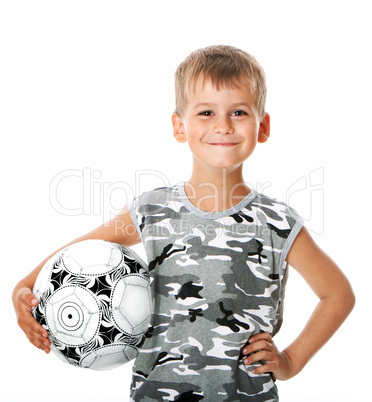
{"x": 218, "y": 279}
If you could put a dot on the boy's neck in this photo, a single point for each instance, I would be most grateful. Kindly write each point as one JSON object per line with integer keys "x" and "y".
{"x": 218, "y": 190}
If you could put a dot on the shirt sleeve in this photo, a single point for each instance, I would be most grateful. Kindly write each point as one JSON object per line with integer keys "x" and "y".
{"x": 296, "y": 223}
{"x": 133, "y": 206}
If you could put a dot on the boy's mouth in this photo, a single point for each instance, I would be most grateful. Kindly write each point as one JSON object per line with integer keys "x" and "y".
{"x": 223, "y": 144}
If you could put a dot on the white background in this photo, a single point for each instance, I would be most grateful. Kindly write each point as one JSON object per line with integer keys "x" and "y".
{"x": 89, "y": 85}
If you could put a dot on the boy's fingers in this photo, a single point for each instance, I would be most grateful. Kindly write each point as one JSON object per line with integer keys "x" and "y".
{"x": 28, "y": 322}
{"x": 43, "y": 343}
{"x": 30, "y": 299}
{"x": 40, "y": 342}
{"x": 35, "y": 332}
{"x": 35, "y": 327}
{"x": 256, "y": 342}
{"x": 256, "y": 346}
{"x": 266, "y": 368}
{"x": 37, "y": 335}
{"x": 256, "y": 357}
{"x": 260, "y": 336}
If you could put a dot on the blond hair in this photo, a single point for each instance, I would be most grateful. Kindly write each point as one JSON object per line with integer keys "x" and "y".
{"x": 225, "y": 66}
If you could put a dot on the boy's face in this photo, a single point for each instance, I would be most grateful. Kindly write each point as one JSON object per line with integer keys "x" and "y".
{"x": 221, "y": 127}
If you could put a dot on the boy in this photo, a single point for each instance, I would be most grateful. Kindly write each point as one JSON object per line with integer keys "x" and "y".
{"x": 217, "y": 252}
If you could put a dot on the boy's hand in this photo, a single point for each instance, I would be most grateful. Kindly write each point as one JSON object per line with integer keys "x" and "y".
{"x": 35, "y": 333}
{"x": 263, "y": 347}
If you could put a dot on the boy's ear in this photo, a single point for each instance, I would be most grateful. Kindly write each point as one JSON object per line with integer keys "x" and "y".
{"x": 264, "y": 131}
{"x": 178, "y": 129}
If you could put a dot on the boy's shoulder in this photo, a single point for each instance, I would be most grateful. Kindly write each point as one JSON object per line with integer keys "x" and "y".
{"x": 269, "y": 202}
{"x": 275, "y": 210}
{"x": 156, "y": 197}
{"x": 157, "y": 194}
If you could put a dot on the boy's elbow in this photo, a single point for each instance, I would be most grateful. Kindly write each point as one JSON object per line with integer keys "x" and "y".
{"x": 348, "y": 300}
{"x": 343, "y": 300}
{"x": 351, "y": 300}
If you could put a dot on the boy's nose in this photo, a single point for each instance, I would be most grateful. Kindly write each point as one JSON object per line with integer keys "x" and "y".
{"x": 223, "y": 126}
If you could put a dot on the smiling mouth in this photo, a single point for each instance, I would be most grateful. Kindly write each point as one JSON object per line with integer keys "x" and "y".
{"x": 223, "y": 144}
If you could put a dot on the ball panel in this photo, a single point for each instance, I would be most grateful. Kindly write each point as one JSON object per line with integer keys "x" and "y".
{"x": 73, "y": 315}
{"x": 109, "y": 357}
{"x": 135, "y": 308}
{"x": 92, "y": 258}
{"x": 70, "y": 316}
{"x": 131, "y": 304}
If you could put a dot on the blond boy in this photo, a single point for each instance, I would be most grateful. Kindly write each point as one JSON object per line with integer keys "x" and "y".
{"x": 218, "y": 253}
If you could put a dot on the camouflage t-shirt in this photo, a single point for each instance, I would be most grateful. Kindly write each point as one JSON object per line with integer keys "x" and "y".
{"x": 217, "y": 278}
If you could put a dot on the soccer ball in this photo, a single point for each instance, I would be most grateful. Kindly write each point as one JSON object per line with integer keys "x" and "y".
{"x": 95, "y": 302}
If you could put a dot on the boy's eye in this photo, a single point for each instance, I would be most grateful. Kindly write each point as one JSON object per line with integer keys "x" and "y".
{"x": 206, "y": 113}
{"x": 239, "y": 113}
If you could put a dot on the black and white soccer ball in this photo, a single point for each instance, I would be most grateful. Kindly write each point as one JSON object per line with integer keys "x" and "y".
{"x": 95, "y": 302}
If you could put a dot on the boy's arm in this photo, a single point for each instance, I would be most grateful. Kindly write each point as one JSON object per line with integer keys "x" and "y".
{"x": 120, "y": 229}
{"x": 336, "y": 300}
